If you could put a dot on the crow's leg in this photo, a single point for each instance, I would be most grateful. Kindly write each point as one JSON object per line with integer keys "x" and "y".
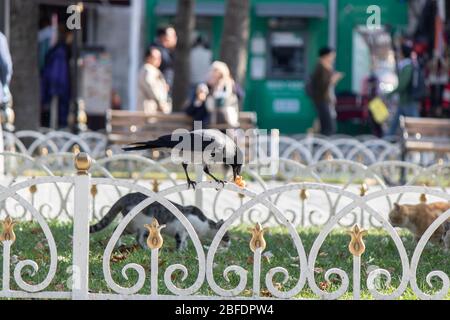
{"x": 206, "y": 170}
{"x": 189, "y": 181}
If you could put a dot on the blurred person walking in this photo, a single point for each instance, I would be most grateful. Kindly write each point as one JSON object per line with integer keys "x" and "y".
{"x": 153, "y": 95}
{"x": 55, "y": 82}
{"x": 376, "y": 105}
{"x": 7, "y": 115}
{"x": 201, "y": 58}
{"x": 321, "y": 90}
{"x": 166, "y": 41}
{"x": 407, "y": 104}
{"x": 6, "y": 69}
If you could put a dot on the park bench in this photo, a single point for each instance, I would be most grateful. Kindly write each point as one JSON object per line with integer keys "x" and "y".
{"x": 125, "y": 126}
{"x": 425, "y": 135}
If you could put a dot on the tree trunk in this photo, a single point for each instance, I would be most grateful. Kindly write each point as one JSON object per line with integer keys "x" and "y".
{"x": 24, "y": 49}
{"x": 233, "y": 49}
{"x": 184, "y": 25}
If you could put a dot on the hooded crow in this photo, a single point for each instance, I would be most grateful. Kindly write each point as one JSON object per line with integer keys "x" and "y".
{"x": 205, "y": 147}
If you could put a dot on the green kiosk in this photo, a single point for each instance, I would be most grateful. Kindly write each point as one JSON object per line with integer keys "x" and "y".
{"x": 284, "y": 40}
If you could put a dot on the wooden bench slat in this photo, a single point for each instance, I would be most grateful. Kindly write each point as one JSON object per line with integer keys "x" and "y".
{"x": 125, "y": 126}
{"x": 427, "y": 146}
{"x": 425, "y": 134}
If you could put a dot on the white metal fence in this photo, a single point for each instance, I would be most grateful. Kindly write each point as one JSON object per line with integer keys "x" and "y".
{"x": 307, "y": 149}
{"x": 306, "y": 264}
{"x": 312, "y": 208}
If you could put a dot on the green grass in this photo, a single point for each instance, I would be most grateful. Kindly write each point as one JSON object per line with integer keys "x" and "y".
{"x": 380, "y": 251}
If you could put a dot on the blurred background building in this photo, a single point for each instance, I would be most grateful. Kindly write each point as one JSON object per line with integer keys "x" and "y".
{"x": 284, "y": 38}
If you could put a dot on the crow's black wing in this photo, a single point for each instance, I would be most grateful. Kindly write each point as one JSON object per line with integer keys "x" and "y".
{"x": 166, "y": 141}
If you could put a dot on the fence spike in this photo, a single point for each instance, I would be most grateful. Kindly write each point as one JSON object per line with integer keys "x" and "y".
{"x": 304, "y": 194}
{"x": 363, "y": 189}
{"x": 94, "y": 190}
{"x": 154, "y": 239}
{"x": 257, "y": 241}
{"x": 8, "y": 230}
{"x": 356, "y": 245}
{"x": 155, "y": 185}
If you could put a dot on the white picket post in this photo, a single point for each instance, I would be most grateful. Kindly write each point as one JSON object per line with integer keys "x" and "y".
{"x": 199, "y": 191}
{"x": 80, "y": 270}
{"x": 6, "y": 265}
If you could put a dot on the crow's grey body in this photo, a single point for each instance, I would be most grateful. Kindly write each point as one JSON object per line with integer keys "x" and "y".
{"x": 205, "y": 147}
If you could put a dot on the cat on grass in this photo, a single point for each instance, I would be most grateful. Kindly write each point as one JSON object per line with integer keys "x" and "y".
{"x": 204, "y": 227}
{"x": 417, "y": 218}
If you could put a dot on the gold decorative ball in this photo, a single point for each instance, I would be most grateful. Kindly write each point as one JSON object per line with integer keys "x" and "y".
{"x": 33, "y": 189}
{"x": 82, "y": 162}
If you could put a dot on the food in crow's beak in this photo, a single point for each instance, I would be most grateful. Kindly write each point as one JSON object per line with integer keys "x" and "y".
{"x": 240, "y": 182}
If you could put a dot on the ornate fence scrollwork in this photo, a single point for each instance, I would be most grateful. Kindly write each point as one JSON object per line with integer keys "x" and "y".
{"x": 343, "y": 202}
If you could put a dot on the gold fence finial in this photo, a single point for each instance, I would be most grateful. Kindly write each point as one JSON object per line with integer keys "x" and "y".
{"x": 304, "y": 194}
{"x": 8, "y": 230}
{"x": 356, "y": 245}
{"x": 44, "y": 151}
{"x": 423, "y": 196}
{"x": 328, "y": 156}
{"x": 155, "y": 185}
{"x": 154, "y": 239}
{"x": 33, "y": 187}
{"x": 363, "y": 189}
{"x": 94, "y": 190}
{"x": 76, "y": 149}
{"x": 257, "y": 241}
{"x": 82, "y": 163}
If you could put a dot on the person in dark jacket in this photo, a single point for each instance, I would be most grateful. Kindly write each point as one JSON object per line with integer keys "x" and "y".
{"x": 197, "y": 108}
{"x": 407, "y": 106}
{"x": 6, "y": 111}
{"x": 322, "y": 83}
{"x": 55, "y": 78}
{"x": 6, "y": 69}
{"x": 166, "y": 41}
{"x": 372, "y": 93}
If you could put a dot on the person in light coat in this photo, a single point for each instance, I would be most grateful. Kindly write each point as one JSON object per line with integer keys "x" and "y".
{"x": 153, "y": 96}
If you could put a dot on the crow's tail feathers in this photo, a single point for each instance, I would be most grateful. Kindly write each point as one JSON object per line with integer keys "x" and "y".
{"x": 161, "y": 142}
{"x": 138, "y": 146}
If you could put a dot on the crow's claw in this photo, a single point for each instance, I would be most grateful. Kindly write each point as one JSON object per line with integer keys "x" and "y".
{"x": 191, "y": 183}
{"x": 222, "y": 182}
